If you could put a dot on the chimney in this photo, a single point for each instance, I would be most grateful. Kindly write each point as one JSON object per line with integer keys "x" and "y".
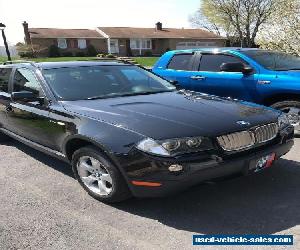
{"x": 158, "y": 26}
{"x": 26, "y": 32}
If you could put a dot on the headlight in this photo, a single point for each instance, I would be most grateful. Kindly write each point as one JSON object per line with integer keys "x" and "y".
{"x": 283, "y": 121}
{"x": 150, "y": 146}
{"x": 175, "y": 146}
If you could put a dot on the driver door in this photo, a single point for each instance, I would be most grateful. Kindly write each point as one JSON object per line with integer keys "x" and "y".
{"x": 210, "y": 79}
{"x": 30, "y": 119}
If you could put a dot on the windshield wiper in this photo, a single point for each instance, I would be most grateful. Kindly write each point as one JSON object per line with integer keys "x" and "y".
{"x": 126, "y": 94}
{"x": 147, "y": 92}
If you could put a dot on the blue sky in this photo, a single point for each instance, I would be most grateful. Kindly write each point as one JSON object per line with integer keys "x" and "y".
{"x": 93, "y": 13}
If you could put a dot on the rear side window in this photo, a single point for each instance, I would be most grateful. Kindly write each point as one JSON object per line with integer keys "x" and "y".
{"x": 213, "y": 62}
{"x": 4, "y": 78}
{"x": 180, "y": 62}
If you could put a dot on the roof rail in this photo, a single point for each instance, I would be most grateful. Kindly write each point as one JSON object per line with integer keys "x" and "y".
{"x": 19, "y": 61}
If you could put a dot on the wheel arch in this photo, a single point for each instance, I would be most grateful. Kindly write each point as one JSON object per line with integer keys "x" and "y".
{"x": 280, "y": 97}
{"x": 73, "y": 143}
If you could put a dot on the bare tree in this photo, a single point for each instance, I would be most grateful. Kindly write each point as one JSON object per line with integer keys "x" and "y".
{"x": 199, "y": 20}
{"x": 241, "y": 18}
{"x": 283, "y": 30}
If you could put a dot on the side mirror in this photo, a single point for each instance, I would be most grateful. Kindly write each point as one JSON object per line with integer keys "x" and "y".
{"x": 25, "y": 96}
{"x": 176, "y": 84}
{"x": 236, "y": 67}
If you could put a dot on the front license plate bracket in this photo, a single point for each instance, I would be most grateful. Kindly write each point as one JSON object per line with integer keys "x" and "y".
{"x": 263, "y": 162}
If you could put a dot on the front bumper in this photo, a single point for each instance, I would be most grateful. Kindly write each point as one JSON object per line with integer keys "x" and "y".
{"x": 144, "y": 168}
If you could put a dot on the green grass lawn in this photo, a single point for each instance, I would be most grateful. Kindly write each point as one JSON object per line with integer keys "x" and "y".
{"x": 144, "y": 61}
{"x": 3, "y": 59}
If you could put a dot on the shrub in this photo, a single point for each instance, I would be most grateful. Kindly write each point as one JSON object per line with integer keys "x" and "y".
{"x": 101, "y": 55}
{"x": 110, "y": 56}
{"x": 24, "y": 54}
{"x": 30, "y": 51}
{"x": 148, "y": 53}
{"x": 80, "y": 54}
{"x": 53, "y": 51}
{"x": 67, "y": 54}
{"x": 91, "y": 51}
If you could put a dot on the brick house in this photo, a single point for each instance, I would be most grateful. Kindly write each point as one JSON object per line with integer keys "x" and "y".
{"x": 157, "y": 40}
{"x": 68, "y": 40}
{"x": 124, "y": 41}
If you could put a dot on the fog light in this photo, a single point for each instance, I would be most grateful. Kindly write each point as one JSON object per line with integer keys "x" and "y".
{"x": 175, "y": 168}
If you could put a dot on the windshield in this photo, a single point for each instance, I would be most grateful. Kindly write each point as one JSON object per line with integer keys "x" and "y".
{"x": 274, "y": 60}
{"x": 96, "y": 82}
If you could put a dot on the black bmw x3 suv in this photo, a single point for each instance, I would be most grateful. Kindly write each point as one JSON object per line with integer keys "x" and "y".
{"x": 127, "y": 132}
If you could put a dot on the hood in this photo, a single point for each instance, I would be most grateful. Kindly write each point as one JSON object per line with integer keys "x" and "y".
{"x": 174, "y": 114}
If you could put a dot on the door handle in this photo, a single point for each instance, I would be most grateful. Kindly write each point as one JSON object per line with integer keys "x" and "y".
{"x": 197, "y": 77}
{"x": 263, "y": 82}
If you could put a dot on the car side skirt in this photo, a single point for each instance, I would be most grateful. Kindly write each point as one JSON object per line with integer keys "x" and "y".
{"x": 35, "y": 145}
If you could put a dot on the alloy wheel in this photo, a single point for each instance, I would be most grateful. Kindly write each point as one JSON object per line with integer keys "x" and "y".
{"x": 94, "y": 175}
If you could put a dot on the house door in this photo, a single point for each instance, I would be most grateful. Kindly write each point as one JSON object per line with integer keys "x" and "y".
{"x": 114, "y": 46}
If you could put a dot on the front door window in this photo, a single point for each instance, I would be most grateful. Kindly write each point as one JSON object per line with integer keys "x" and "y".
{"x": 114, "y": 46}
{"x": 25, "y": 80}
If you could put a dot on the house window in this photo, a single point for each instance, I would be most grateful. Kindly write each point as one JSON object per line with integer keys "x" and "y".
{"x": 140, "y": 43}
{"x": 62, "y": 43}
{"x": 81, "y": 43}
{"x": 72, "y": 43}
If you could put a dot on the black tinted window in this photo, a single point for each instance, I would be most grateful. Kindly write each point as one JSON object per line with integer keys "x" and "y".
{"x": 4, "y": 78}
{"x": 180, "y": 62}
{"x": 213, "y": 62}
{"x": 274, "y": 60}
{"x": 25, "y": 80}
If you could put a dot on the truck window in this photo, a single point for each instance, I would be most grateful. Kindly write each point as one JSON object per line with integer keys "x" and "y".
{"x": 180, "y": 62}
{"x": 213, "y": 62}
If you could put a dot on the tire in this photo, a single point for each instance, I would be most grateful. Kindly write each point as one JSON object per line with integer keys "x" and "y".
{"x": 99, "y": 176}
{"x": 4, "y": 137}
{"x": 292, "y": 108}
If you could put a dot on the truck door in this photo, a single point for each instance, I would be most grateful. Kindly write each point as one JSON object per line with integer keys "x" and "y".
{"x": 210, "y": 79}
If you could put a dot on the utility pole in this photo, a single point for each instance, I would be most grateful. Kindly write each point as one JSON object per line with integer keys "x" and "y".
{"x": 2, "y": 27}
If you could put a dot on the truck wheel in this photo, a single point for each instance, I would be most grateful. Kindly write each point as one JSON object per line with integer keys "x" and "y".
{"x": 292, "y": 109}
{"x": 4, "y": 137}
{"x": 99, "y": 176}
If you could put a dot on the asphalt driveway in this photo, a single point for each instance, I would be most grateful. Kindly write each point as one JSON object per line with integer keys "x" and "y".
{"x": 43, "y": 207}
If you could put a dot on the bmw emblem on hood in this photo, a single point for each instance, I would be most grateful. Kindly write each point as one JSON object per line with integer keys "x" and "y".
{"x": 243, "y": 123}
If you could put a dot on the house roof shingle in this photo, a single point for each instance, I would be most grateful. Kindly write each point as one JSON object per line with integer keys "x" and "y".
{"x": 129, "y": 32}
{"x": 63, "y": 33}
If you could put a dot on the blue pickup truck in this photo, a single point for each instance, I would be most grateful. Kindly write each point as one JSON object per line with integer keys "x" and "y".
{"x": 265, "y": 77}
